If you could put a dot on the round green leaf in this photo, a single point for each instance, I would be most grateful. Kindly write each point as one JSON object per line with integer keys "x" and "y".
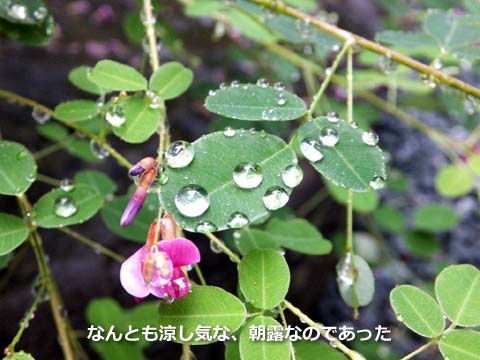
{"x": 86, "y": 199}
{"x": 389, "y": 218}
{"x": 13, "y": 232}
{"x": 365, "y": 282}
{"x": 262, "y": 350}
{"x": 171, "y": 80}
{"x": 216, "y": 157}
{"x": 435, "y": 217}
{"x": 253, "y": 102}
{"x": 351, "y": 163}
{"x": 232, "y": 350}
{"x": 138, "y": 229}
{"x": 248, "y": 239}
{"x": 112, "y": 75}
{"x": 457, "y": 289}
{"x": 454, "y": 181}
{"x": 17, "y": 168}
{"x": 205, "y": 305}
{"x": 4, "y": 260}
{"x": 141, "y": 121}
{"x": 474, "y": 163}
{"x": 361, "y": 202}
{"x": 20, "y": 355}
{"x": 76, "y": 110}
{"x": 417, "y": 310}
{"x": 264, "y": 278}
{"x": 298, "y": 235}
{"x": 79, "y": 78}
{"x": 460, "y": 345}
{"x": 313, "y": 350}
{"x": 421, "y": 243}
{"x": 97, "y": 179}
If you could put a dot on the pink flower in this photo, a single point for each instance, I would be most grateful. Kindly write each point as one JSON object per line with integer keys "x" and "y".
{"x": 157, "y": 269}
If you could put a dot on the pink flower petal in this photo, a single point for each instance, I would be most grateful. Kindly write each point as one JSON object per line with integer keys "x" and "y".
{"x": 178, "y": 286}
{"x": 131, "y": 274}
{"x": 181, "y": 251}
{"x": 157, "y": 291}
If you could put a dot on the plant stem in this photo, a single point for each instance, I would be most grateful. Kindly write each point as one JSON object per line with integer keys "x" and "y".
{"x": 187, "y": 352}
{"x": 284, "y": 323}
{"x": 420, "y": 349}
{"x": 48, "y": 180}
{"x": 10, "y": 349}
{"x": 94, "y": 245}
{"x": 347, "y": 44}
{"x": 280, "y": 7}
{"x": 48, "y": 150}
{"x": 35, "y": 105}
{"x": 199, "y": 273}
{"x": 221, "y": 245}
{"x": 149, "y": 24}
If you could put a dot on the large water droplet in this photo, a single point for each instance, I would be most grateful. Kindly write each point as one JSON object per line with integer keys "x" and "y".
{"x": 281, "y": 98}
{"x": 179, "y": 154}
{"x": 377, "y": 183}
{"x": 115, "y": 116}
{"x": 275, "y": 198}
{"x": 223, "y": 85}
{"x": 311, "y": 149}
{"x": 262, "y": 82}
{"x": 329, "y": 136}
{"x": 235, "y": 84}
{"x": 279, "y": 86}
{"x": 270, "y": 114}
{"x": 229, "y": 132}
{"x": 212, "y": 92}
{"x": 98, "y": 150}
{"x": 247, "y": 175}
{"x": 370, "y": 138}
{"x": 345, "y": 271}
{"x": 237, "y": 220}
{"x": 333, "y": 116}
{"x": 437, "y": 64}
{"x": 18, "y": 11}
{"x": 67, "y": 184}
{"x": 192, "y": 200}
{"x": 65, "y": 206}
{"x": 155, "y": 100}
{"x": 205, "y": 227}
{"x": 40, "y": 116}
{"x": 292, "y": 175}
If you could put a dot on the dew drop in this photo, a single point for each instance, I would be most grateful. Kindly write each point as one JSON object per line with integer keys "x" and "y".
{"x": 275, "y": 198}
{"x": 67, "y": 184}
{"x": 333, "y": 116}
{"x": 437, "y": 64}
{"x": 237, "y": 220}
{"x": 155, "y": 100}
{"x": 387, "y": 64}
{"x": 329, "y": 136}
{"x": 65, "y": 206}
{"x": 229, "y": 132}
{"x": 146, "y": 21}
{"x": 262, "y": 82}
{"x": 328, "y": 71}
{"x": 22, "y": 154}
{"x": 205, "y": 227}
{"x": 345, "y": 271}
{"x": 377, "y": 183}
{"x": 192, "y": 200}
{"x": 17, "y": 11}
{"x": 235, "y": 84}
{"x": 30, "y": 177}
{"x": 97, "y": 150}
{"x": 179, "y": 154}
{"x": 247, "y": 175}
{"x": 40, "y": 116}
{"x": 335, "y": 48}
{"x": 281, "y": 99}
{"x": 223, "y": 86}
{"x": 428, "y": 80}
{"x": 311, "y": 149}
{"x": 292, "y": 175}
{"x": 304, "y": 28}
{"x": 270, "y": 114}
{"x": 279, "y": 86}
{"x": 212, "y": 92}
{"x": 40, "y": 13}
{"x": 370, "y": 138}
{"x": 115, "y": 116}
{"x": 215, "y": 248}
{"x": 354, "y": 124}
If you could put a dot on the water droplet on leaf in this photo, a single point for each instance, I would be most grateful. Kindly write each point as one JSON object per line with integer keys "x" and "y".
{"x": 329, "y": 136}
{"x": 333, "y": 116}
{"x": 262, "y": 82}
{"x": 311, "y": 149}
{"x": 215, "y": 248}
{"x": 247, "y": 175}
{"x": 98, "y": 150}
{"x": 237, "y": 220}
{"x": 279, "y": 86}
{"x": 377, "y": 183}
{"x": 205, "y": 227}
{"x": 67, "y": 184}
{"x": 281, "y": 99}
{"x": 179, "y": 154}
{"x": 370, "y": 138}
{"x": 65, "y": 206}
{"x": 235, "y": 83}
{"x": 270, "y": 114}
{"x": 115, "y": 116}
{"x": 292, "y": 175}
{"x": 40, "y": 116}
{"x": 345, "y": 270}
{"x": 229, "y": 132}
{"x": 155, "y": 100}
{"x": 304, "y": 28}
{"x": 212, "y": 92}
{"x": 387, "y": 64}
{"x": 275, "y": 198}
{"x": 192, "y": 201}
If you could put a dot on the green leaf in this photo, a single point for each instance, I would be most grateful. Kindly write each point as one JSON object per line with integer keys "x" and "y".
{"x": 474, "y": 164}
{"x": 18, "y": 169}
{"x": 4, "y": 260}
{"x": 232, "y": 350}
{"x": 84, "y": 199}
{"x": 313, "y": 350}
{"x": 454, "y": 181}
{"x": 405, "y": 39}
{"x": 202, "y": 7}
{"x": 137, "y": 230}
{"x": 264, "y": 278}
{"x": 308, "y": 5}
{"x": 216, "y": 157}
{"x": 365, "y": 282}
{"x": 457, "y": 289}
{"x": 460, "y": 345}
{"x": 247, "y": 239}
{"x": 76, "y": 110}
{"x": 27, "y": 12}
{"x": 262, "y": 350}
{"x": 141, "y": 121}
{"x": 362, "y": 202}
{"x": 20, "y": 355}
{"x": 13, "y": 232}
{"x": 435, "y": 217}
{"x": 417, "y": 310}
{"x": 421, "y": 243}
{"x": 253, "y": 102}
{"x": 171, "y": 80}
{"x": 298, "y": 235}
{"x": 79, "y": 77}
{"x": 205, "y": 305}
{"x": 249, "y": 26}
{"x": 351, "y": 163}
{"x": 112, "y": 75}
{"x": 97, "y": 179}
{"x": 389, "y": 218}
{"x": 133, "y": 28}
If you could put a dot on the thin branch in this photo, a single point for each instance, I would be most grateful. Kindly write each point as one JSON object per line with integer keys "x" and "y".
{"x": 420, "y": 349}
{"x": 199, "y": 273}
{"x": 149, "y": 24}
{"x": 48, "y": 180}
{"x": 225, "y": 249}
{"x": 48, "y": 150}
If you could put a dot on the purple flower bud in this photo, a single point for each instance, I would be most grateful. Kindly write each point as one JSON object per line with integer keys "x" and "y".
{"x": 136, "y": 169}
{"x": 133, "y": 207}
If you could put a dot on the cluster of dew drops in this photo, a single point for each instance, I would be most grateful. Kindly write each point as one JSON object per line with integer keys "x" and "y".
{"x": 192, "y": 200}
{"x": 312, "y": 148}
